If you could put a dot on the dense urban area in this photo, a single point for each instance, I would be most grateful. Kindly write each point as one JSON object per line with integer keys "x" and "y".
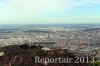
{"x": 81, "y": 40}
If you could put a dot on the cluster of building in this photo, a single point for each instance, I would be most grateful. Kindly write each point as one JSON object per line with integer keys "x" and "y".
{"x": 74, "y": 40}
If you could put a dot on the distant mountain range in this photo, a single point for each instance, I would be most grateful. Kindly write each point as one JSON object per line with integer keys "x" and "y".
{"x": 32, "y": 26}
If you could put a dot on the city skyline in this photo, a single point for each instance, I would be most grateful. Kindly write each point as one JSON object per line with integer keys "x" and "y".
{"x": 49, "y": 11}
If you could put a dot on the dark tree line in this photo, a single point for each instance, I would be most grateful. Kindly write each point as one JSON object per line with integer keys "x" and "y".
{"x": 23, "y": 55}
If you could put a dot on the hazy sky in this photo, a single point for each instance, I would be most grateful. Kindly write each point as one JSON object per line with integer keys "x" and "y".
{"x": 49, "y": 11}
